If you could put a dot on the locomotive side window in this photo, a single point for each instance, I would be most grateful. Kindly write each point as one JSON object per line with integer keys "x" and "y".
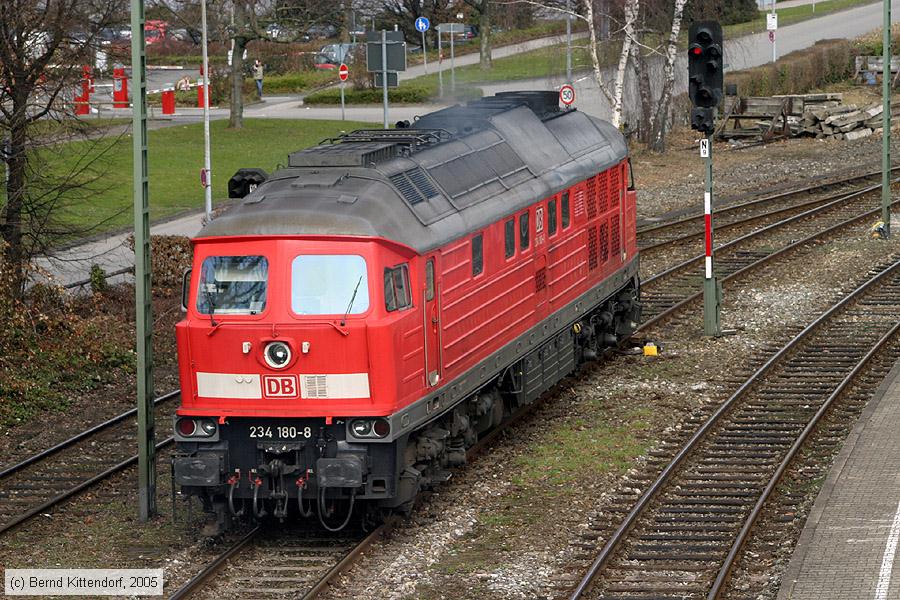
{"x": 233, "y": 285}
{"x": 565, "y": 209}
{"x": 551, "y": 216}
{"x": 510, "y": 237}
{"x": 396, "y": 288}
{"x": 477, "y": 255}
{"x": 429, "y": 280}
{"x": 329, "y": 284}
{"x": 523, "y": 231}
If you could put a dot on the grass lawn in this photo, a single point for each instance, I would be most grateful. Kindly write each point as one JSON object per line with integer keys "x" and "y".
{"x": 175, "y": 159}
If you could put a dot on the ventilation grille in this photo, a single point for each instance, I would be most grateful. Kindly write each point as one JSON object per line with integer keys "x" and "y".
{"x": 604, "y": 242}
{"x": 591, "y": 198}
{"x": 414, "y": 186}
{"x": 316, "y": 386}
{"x": 616, "y": 242}
{"x": 540, "y": 279}
{"x": 592, "y": 248}
{"x": 603, "y": 191}
{"x": 614, "y": 191}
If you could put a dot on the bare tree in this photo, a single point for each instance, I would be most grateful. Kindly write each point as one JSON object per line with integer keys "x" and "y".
{"x": 483, "y": 9}
{"x": 43, "y": 46}
{"x": 247, "y": 18}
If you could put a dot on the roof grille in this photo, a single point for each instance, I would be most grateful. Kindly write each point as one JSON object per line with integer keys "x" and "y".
{"x": 421, "y": 181}
{"x": 414, "y": 186}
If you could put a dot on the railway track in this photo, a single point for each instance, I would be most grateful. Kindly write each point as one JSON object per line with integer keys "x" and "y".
{"x": 755, "y": 210}
{"x": 681, "y": 536}
{"x": 43, "y": 480}
{"x": 667, "y": 292}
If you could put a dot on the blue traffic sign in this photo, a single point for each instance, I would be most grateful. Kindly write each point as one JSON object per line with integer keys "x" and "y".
{"x": 422, "y": 24}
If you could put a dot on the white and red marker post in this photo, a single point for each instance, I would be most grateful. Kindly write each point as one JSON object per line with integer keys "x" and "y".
{"x": 712, "y": 291}
{"x": 343, "y": 74}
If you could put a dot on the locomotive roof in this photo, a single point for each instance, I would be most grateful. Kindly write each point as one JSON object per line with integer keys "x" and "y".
{"x": 453, "y": 172}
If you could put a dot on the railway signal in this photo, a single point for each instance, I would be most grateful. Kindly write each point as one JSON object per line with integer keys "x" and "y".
{"x": 705, "y": 82}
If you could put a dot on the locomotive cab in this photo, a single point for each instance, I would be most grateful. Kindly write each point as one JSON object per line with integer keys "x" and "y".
{"x": 293, "y": 328}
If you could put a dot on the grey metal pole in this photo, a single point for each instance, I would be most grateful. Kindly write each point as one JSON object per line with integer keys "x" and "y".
{"x": 424, "y": 53}
{"x": 452, "y": 64}
{"x": 206, "y": 151}
{"x": 440, "y": 67}
{"x": 384, "y": 75}
{"x": 887, "y": 60}
{"x": 568, "y": 41}
{"x": 343, "y": 116}
{"x": 143, "y": 307}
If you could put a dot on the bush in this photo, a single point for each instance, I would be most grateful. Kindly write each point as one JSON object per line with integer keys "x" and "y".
{"x": 828, "y": 61}
{"x": 170, "y": 257}
{"x": 405, "y": 94}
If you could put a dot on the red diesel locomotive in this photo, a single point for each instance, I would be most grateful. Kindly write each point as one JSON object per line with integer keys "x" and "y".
{"x": 361, "y": 317}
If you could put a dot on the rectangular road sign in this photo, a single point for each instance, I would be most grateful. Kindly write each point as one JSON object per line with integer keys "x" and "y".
{"x": 704, "y": 147}
{"x": 396, "y": 51}
{"x": 451, "y": 27}
{"x": 772, "y": 21}
{"x": 393, "y": 79}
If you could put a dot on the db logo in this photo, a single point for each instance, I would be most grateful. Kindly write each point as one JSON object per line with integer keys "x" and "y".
{"x": 280, "y": 386}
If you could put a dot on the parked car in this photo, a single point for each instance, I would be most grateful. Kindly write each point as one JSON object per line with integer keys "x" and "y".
{"x": 336, "y": 53}
{"x": 319, "y": 32}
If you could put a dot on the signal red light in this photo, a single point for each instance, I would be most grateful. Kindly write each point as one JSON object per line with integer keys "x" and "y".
{"x": 187, "y": 427}
{"x": 696, "y": 51}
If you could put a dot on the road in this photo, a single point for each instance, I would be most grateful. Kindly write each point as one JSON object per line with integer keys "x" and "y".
{"x": 746, "y": 52}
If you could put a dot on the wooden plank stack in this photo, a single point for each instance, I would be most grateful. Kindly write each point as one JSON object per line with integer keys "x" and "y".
{"x": 771, "y": 116}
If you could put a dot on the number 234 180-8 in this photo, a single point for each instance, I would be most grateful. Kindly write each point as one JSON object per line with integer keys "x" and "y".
{"x": 280, "y": 432}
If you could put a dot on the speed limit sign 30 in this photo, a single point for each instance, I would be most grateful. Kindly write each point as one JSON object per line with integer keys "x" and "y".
{"x": 567, "y": 95}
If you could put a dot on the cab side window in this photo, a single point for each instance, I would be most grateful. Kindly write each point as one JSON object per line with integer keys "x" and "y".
{"x": 509, "y": 237}
{"x": 396, "y": 288}
{"x": 523, "y": 231}
{"x": 477, "y": 255}
{"x": 565, "y": 209}
{"x": 551, "y": 216}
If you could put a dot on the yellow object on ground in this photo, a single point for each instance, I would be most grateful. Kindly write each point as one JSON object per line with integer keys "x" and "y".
{"x": 650, "y": 349}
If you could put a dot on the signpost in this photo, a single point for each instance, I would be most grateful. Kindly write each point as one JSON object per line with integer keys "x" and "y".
{"x": 450, "y": 29}
{"x": 567, "y": 95}
{"x": 143, "y": 309}
{"x": 772, "y": 26}
{"x": 886, "y": 121}
{"x": 385, "y": 55}
{"x": 343, "y": 74}
{"x": 422, "y": 25}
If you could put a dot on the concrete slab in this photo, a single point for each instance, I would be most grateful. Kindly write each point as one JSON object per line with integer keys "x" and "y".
{"x": 848, "y": 548}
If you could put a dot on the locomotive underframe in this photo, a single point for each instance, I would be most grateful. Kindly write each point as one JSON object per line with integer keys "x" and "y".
{"x": 236, "y": 475}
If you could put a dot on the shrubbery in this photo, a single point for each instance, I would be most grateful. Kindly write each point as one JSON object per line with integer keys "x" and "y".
{"x": 828, "y": 61}
{"x": 50, "y": 354}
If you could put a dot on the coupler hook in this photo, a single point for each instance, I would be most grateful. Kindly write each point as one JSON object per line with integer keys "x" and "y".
{"x": 302, "y": 484}
{"x": 233, "y": 483}
{"x": 258, "y": 512}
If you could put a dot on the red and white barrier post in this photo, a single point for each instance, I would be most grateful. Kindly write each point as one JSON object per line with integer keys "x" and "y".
{"x": 82, "y": 102}
{"x": 712, "y": 291}
{"x": 120, "y": 87}
{"x": 168, "y": 102}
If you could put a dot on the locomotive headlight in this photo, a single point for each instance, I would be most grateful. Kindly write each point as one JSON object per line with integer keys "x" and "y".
{"x": 187, "y": 427}
{"x": 208, "y": 427}
{"x": 277, "y": 354}
{"x": 361, "y": 428}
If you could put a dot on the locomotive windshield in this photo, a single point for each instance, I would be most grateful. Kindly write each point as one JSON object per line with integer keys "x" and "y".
{"x": 233, "y": 285}
{"x": 329, "y": 284}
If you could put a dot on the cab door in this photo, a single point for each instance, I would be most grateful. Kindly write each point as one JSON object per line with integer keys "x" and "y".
{"x": 431, "y": 321}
